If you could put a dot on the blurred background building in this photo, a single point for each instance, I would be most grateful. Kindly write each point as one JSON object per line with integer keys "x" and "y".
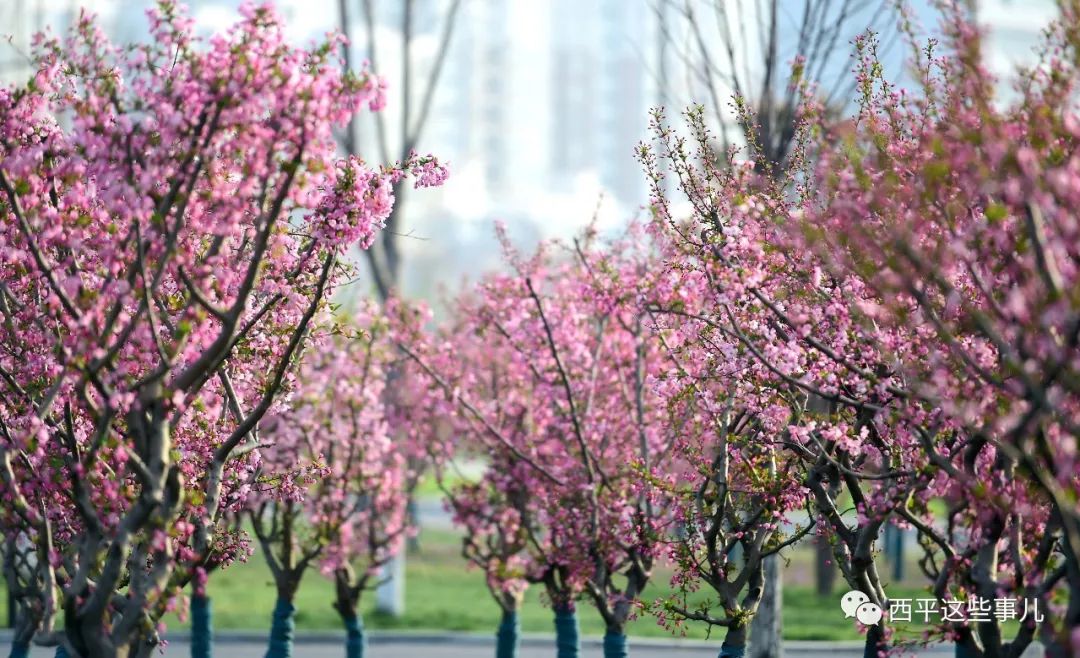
{"x": 538, "y": 109}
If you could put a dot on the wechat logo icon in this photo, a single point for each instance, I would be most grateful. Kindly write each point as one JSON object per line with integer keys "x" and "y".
{"x": 856, "y": 604}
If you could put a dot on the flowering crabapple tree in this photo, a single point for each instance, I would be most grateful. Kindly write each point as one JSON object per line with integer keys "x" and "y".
{"x": 632, "y": 440}
{"x": 563, "y": 405}
{"x": 733, "y": 487}
{"x": 338, "y": 480}
{"x": 494, "y": 513}
{"x": 790, "y": 368}
{"x": 893, "y": 279}
{"x": 173, "y": 216}
{"x": 956, "y": 207}
{"x": 734, "y": 484}
{"x": 504, "y": 532}
{"x": 505, "y": 535}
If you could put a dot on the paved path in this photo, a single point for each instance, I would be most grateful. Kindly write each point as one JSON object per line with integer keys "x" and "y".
{"x": 467, "y": 646}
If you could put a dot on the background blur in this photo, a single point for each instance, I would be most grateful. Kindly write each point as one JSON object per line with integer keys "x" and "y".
{"x": 539, "y": 103}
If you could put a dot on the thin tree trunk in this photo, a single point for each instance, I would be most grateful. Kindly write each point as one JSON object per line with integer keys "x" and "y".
{"x": 22, "y": 625}
{"x": 202, "y": 627}
{"x": 567, "y": 635}
{"x": 615, "y": 644}
{"x": 825, "y": 567}
{"x": 767, "y": 625}
{"x": 964, "y": 646}
{"x": 894, "y": 541}
{"x": 355, "y": 642}
{"x": 508, "y": 637}
{"x": 347, "y": 603}
{"x": 875, "y": 642}
{"x": 413, "y": 540}
{"x": 390, "y": 594}
{"x": 281, "y": 630}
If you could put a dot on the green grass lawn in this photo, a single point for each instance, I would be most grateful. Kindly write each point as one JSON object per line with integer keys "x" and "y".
{"x": 443, "y": 593}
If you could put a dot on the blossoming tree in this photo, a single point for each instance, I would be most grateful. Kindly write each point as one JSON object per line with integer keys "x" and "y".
{"x": 347, "y": 478}
{"x": 794, "y": 390}
{"x": 956, "y": 207}
{"x": 173, "y": 216}
{"x": 876, "y": 286}
{"x": 557, "y": 394}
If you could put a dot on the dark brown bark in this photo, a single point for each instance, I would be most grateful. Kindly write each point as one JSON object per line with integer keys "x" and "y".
{"x": 824, "y": 566}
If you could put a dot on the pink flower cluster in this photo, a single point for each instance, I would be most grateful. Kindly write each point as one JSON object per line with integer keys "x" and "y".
{"x": 357, "y": 203}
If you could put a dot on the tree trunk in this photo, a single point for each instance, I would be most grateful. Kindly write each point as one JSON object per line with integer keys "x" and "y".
{"x": 825, "y": 566}
{"x": 894, "y": 547}
{"x": 1056, "y": 644}
{"x": 734, "y": 643}
{"x": 766, "y": 627}
{"x": 281, "y": 630}
{"x": 508, "y": 637}
{"x": 1055, "y": 649}
{"x": 875, "y": 642}
{"x": 23, "y": 626}
{"x": 390, "y": 595}
{"x": 567, "y": 636}
{"x": 347, "y": 603}
{"x": 355, "y": 642}
{"x": 965, "y": 647}
{"x": 202, "y": 627}
{"x": 615, "y": 643}
{"x": 412, "y": 542}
